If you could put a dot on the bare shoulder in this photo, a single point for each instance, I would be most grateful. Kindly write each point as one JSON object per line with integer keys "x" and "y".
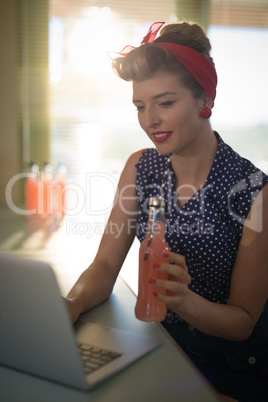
{"x": 134, "y": 158}
{"x": 129, "y": 172}
{"x": 265, "y": 193}
{"x": 257, "y": 219}
{"x": 264, "y": 205}
{"x": 125, "y": 199}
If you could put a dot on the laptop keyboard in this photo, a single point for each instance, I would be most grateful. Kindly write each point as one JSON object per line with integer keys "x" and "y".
{"x": 93, "y": 357}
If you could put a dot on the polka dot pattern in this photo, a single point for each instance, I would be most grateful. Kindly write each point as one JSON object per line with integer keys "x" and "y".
{"x": 208, "y": 228}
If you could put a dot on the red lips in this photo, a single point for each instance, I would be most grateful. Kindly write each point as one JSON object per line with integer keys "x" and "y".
{"x": 161, "y": 136}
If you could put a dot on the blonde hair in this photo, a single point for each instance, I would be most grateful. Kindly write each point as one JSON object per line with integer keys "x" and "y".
{"x": 140, "y": 63}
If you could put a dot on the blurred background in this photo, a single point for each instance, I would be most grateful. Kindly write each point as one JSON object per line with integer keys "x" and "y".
{"x": 61, "y": 103}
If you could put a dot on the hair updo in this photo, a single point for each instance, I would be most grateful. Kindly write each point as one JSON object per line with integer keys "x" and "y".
{"x": 143, "y": 61}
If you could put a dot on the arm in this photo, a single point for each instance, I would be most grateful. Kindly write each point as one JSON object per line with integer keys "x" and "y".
{"x": 249, "y": 283}
{"x": 96, "y": 283}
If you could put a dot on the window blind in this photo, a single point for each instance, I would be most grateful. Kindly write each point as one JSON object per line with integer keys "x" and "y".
{"x": 240, "y": 13}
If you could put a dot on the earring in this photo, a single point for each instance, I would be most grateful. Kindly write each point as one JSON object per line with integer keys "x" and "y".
{"x": 205, "y": 112}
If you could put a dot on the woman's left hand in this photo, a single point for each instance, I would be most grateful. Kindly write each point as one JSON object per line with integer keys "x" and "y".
{"x": 176, "y": 286}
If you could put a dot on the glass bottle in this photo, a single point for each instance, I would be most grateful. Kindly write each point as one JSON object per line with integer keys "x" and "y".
{"x": 60, "y": 184}
{"x": 47, "y": 190}
{"x": 154, "y": 250}
{"x": 31, "y": 190}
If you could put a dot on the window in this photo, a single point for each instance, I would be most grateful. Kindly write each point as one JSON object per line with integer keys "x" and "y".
{"x": 91, "y": 111}
{"x": 239, "y": 37}
{"x": 93, "y": 123}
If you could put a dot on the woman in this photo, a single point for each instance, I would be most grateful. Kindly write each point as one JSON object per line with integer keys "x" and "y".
{"x": 216, "y": 216}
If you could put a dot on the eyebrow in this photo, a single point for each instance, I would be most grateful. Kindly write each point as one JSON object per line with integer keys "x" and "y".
{"x": 156, "y": 96}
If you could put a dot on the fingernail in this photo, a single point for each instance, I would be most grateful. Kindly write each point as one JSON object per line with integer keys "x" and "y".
{"x": 156, "y": 265}
{"x": 155, "y": 294}
{"x": 165, "y": 255}
{"x": 152, "y": 281}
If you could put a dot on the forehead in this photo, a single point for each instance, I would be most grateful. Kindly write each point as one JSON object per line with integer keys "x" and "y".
{"x": 157, "y": 83}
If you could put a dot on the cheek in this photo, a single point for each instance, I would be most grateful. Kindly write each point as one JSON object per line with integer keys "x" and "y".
{"x": 141, "y": 121}
{"x": 185, "y": 117}
{"x": 178, "y": 119}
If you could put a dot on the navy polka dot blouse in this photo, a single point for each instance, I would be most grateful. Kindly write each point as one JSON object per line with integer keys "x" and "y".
{"x": 208, "y": 227}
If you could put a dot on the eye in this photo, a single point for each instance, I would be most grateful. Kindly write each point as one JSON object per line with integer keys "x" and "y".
{"x": 140, "y": 108}
{"x": 167, "y": 103}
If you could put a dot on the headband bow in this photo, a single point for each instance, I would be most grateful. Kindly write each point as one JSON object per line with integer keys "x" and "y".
{"x": 148, "y": 38}
{"x": 152, "y": 32}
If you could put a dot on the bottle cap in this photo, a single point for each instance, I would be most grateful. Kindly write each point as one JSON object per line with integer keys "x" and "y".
{"x": 157, "y": 202}
{"x": 34, "y": 168}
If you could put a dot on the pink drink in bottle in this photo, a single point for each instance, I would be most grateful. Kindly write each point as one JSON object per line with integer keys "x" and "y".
{"x": 31, "y": 191}
{"x": 153, "y": 250}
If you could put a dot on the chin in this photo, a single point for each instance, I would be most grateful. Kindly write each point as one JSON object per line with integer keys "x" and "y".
{"x": 162, "y": 151}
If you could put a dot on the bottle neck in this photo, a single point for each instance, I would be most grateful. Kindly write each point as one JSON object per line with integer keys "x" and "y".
{"x": 156, "y": 222}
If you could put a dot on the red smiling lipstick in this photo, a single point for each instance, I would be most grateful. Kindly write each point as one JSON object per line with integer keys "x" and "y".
{"x": 161, "y": 136}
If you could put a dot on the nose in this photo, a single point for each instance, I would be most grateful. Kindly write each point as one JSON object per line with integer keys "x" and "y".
{"x": 151, "y": 118}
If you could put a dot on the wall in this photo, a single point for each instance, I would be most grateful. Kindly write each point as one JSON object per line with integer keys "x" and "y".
{"x": 9, "y": 141}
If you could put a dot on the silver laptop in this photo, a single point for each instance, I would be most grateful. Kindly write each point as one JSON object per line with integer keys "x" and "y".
{"x": 36, "y": 335}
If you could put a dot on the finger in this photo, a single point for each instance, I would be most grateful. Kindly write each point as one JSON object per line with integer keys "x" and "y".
{"x": 170, "y": 301}
{"x": 178, "y": 259}
{"x": 175, "y": 272}
{"x": 174, "y": 284}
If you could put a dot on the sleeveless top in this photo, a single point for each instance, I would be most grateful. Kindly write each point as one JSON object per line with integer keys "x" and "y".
{"x": 208, "y": 227}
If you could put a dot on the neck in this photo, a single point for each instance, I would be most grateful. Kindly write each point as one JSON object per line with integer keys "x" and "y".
{"x": 192, "y": 168}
